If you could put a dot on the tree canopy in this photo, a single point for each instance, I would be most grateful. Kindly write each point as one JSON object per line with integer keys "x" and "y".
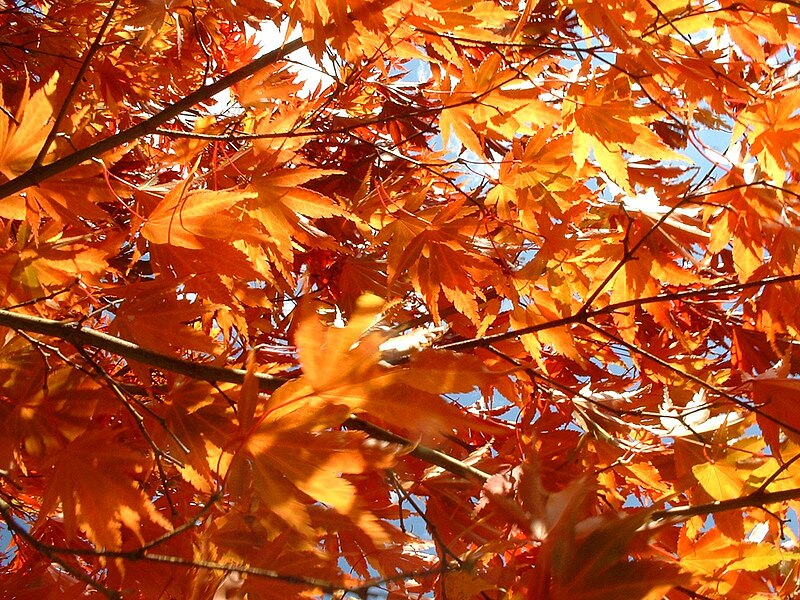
{"x": 400, "y": 298}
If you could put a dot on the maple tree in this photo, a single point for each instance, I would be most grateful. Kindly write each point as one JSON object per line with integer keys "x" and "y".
{"x": 399, "y": 298}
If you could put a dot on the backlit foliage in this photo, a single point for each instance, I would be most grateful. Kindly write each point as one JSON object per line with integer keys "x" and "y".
{"x": 399, "y": 298}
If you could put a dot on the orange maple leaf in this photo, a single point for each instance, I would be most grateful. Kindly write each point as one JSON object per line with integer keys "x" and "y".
{"x": 184, "y": 217}
{"x": 98, "y": 492}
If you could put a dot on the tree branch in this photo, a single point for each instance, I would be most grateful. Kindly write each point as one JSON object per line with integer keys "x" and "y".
{"x": 53, "y": 552}
{"x": 37, "y": 174}
{"x": 84, "y": 336}
{"x": 65, "y": 105}
{"x": 580, "y": 317}
{"x": 757, "y": 499}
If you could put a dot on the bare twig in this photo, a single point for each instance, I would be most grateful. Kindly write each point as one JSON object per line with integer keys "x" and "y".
{"x": 49, "y": 296}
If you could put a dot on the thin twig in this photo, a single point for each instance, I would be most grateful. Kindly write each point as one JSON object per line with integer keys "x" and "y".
{"x": 189, "y": 524}
{"x": 781, "y": 469}
{"x": 53, "y": 553}
{"x": 429, "y": 455}
{"x": 579, "y": 317}
{"x": 158, "y": 453}
{"x": 693, "y": 378}
{"x": 432, "y": 529}
{"x": 49, "y": 296}
{"x": 65, "y": 106}
{"x": 755, "y": 500}
{"x": 138, "y": 554}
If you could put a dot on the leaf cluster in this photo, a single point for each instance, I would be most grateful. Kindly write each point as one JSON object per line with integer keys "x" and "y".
{"x": 423, "y": 298}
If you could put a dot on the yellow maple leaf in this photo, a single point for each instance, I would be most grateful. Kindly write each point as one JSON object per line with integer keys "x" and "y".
{"x": 721, "y": 481}
{"x": 21, "y": 141}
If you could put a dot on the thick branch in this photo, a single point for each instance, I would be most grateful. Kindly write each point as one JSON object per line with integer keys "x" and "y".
{"x": 83, "y": 336}
{"x": 36, "y": 175}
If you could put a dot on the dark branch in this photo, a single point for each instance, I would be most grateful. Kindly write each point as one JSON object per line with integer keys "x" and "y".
{"x": 83, "y": 336}
{"x": 757, "y": 499}
{"x": 579, "y": 317}
{"x": 38, "y": 174}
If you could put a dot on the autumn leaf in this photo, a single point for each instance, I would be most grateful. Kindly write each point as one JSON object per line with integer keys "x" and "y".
{"x": 184, "y": 217}
{"x": 198, "y": 428}
{"x": 600, "y": 568}
{"x": 282, "y": 206}
{"x": 175, "y": 313}
{"x": 721, "y": 481}
{"x": 356, "y": 297}
{"x": 23, "y": 131}
{"x": 98, "y": 493}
